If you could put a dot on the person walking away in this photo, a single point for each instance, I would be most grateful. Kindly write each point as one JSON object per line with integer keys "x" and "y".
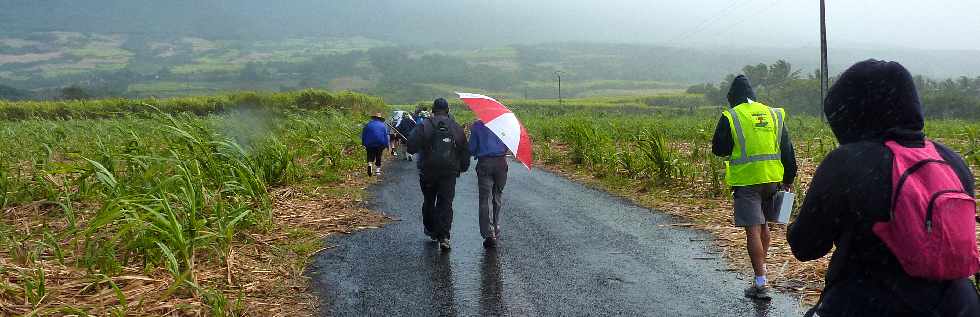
{"x": 393, "y": 137}
{"x": 760, "y": 160}
{"x": 491, "y": 171}
{"x": 445, "y": 155}
{"x": 405, "y": 127}
{"x": 374, "y": 138}
{"x": 857, "y": 203}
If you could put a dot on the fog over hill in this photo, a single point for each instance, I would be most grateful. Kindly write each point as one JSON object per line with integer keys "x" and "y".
{"x": 941, "y": 24}
{"x": 934, "y": 38}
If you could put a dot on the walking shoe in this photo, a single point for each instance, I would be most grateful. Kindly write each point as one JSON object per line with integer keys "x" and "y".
{"x": 377, "y": 171}
{"x": 444, "y": 244}
{"x": 489, "y": 243}
{"x": 758, "y": 292}
{"x": 370, "y": 170}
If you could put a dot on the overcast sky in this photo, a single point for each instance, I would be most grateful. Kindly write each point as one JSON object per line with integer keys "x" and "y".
{"x": 941, "y": 24}
{"x": 871, "y": 24}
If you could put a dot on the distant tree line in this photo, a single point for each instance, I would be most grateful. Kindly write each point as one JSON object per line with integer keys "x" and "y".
{"x": 780, "y": 85}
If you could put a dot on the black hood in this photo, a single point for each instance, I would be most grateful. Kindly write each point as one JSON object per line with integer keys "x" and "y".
{"x": 740, "y": 92}
{"x": 874, "y": 100}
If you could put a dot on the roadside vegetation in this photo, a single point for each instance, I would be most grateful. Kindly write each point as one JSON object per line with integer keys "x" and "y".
{"x": 781, "y": 84}
{"x": 194, "y": 206}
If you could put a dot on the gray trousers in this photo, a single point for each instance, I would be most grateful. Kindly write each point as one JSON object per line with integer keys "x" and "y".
{"x": 492, "y": 175}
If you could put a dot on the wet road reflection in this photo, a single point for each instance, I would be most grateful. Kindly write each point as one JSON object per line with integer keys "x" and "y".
{"x": 491, "y": 286}
{"x": 441, "y": 271}
{"x": 763, "y": 308}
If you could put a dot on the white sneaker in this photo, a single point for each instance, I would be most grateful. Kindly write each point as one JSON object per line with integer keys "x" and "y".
{"x": 377, "y": 171}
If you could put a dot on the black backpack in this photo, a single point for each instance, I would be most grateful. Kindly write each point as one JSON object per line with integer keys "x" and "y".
{"x": 441, "y": 158}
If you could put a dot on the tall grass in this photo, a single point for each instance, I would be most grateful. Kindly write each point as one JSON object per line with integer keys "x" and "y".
{"x": 671, "y": 149}
{"x": 172, "y": 187}
{"x": 310, "y": 99}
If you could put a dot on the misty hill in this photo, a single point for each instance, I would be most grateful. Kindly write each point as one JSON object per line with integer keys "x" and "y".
{"x": 463, "y": 23}
{"x": 163, "y": 48}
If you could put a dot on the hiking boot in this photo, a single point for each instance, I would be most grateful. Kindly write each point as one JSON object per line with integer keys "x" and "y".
{"x": 489, "y": 243}
{"x": 444, "y": 244}
{"x": 758, "y": 292}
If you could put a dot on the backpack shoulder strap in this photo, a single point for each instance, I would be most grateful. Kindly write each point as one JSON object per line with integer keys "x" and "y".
{"x": 897, "y": 151}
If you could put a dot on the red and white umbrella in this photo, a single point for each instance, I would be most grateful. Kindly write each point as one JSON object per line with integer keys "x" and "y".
{"x": 503, "y": 123}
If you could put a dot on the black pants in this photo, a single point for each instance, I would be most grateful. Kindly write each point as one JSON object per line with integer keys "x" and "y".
{"x": 437, "y": 205}
{"x": 374, "y": 155}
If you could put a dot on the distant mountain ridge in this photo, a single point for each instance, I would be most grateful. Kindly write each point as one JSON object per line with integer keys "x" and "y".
{"x": 421, "y": 25}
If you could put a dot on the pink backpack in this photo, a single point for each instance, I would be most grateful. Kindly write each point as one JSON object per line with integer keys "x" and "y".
{"x": 932, "y": 230}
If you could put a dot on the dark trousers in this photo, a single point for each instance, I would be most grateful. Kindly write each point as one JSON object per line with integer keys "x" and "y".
{"x": 492, "y": 176}
{"x": 855, "y": 298}
{"x": 374, "y": 155}
{"x": 437, "y": 205}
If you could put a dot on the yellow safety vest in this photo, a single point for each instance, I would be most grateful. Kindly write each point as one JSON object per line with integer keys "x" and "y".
{"x": 757, "y": 131}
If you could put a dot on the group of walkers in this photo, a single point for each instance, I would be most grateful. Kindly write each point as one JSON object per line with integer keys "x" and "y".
{"x": 443, "y": 153}
{"x": 896, "y": 208}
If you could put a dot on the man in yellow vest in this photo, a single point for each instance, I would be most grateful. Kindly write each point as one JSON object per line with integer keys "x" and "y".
{"x": 761, "y": 161}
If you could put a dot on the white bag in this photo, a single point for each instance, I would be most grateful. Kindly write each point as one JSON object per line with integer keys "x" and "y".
{"x": 783, "y": 201}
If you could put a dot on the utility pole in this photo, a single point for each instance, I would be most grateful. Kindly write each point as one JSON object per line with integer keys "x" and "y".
{"x": 824, "y": 76}
{"x": 558, "y": 73}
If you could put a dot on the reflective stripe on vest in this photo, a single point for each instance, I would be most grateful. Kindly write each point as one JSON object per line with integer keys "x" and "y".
{"x": 740, "y": 135}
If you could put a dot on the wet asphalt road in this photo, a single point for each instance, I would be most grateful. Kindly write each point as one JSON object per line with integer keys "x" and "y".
{"x": 565, "y": 250}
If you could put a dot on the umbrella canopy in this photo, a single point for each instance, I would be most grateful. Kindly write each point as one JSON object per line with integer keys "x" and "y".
{"x": 397, "y": 115}
{"x": 503, "y": 123}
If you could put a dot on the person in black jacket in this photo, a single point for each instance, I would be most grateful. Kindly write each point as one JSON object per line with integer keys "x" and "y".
{"x": 753, "y": 204}
{"x": 872, "y": 102}
{"x": 437, "y": 177}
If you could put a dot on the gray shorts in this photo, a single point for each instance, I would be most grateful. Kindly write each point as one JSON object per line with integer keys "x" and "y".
{"x": 754, "y": 205}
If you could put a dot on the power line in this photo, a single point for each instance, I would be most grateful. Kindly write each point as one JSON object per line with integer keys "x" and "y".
{"x": 731, "y": 26}
{"x": 706, "y": 22}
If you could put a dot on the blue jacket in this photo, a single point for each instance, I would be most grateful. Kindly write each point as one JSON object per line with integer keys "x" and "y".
{"x": 483, "y": 143}
{"x": 375, "y": 134}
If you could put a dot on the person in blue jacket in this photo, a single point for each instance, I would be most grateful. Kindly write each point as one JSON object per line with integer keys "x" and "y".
{"x": 491, "y": 171}
{"x": 374, "y": 138}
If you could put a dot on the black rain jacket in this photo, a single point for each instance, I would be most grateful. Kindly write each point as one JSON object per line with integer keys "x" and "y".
{"x": 872, "y": 102}
{"x": 419, "y": 141}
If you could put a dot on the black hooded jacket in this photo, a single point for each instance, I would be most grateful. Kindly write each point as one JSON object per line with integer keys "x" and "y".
{"x": 722, "y": 144}
{"x": 872, "y": 102}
